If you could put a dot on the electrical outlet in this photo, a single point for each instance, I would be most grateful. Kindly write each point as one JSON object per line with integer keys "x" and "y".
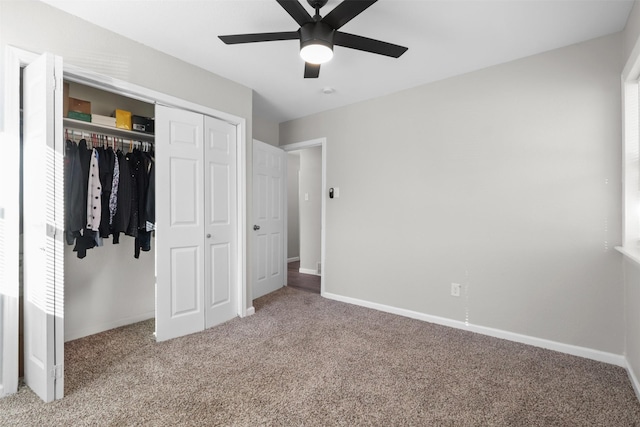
{"x": 455, "y": 289}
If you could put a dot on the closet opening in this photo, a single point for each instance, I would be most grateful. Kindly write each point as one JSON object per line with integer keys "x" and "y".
{"x": 109, "y": 258}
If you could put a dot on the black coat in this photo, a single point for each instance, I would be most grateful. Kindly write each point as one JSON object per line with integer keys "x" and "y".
{"x": 85, "y": 162}
{"x": 75, "y": 210}
{"x": 106, "y": 161}
{"x": 123, "y": 212}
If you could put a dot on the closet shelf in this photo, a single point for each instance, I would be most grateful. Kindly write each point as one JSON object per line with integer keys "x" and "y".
{"x": 120, "y": 133}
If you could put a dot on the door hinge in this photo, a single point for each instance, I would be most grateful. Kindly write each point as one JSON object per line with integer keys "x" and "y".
{"x": 54, "y": 232}
{"x": 57, "y": 371}
{"x": 57, "y": 82}
{"x": 51, "y": 231}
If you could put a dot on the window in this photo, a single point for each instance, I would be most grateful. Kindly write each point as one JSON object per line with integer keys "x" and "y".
{"x": 631, "y": 158}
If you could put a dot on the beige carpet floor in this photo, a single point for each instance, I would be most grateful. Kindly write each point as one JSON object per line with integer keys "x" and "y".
{"x": 302, "y": 360}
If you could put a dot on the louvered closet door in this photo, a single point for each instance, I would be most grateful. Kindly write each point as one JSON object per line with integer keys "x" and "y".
{"x": 43, "y": 225}
{"x": 220, "y": 222}
{"x": 180, "y": 223}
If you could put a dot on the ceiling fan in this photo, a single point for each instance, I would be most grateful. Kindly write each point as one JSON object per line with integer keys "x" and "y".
{"x": 318, "y": 34}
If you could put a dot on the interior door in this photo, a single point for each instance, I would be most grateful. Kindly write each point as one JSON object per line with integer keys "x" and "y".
{"x": 268, "y": 217}
{"x": 180, "y": 249}
{"x": 221, "y": 279}
{"x": 43, "y": 227}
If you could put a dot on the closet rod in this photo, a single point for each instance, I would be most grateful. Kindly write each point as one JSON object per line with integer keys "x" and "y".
{"x": 101, "y": 138}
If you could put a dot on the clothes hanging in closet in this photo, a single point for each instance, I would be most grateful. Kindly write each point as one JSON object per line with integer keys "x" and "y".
{"x": 108, "y": 193}
{"x": 140, "y": 167}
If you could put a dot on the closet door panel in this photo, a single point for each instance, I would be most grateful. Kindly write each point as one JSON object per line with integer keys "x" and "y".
{"x": 43, "y": 228}
{"x": 185, "y": 283}
{"x": 220, "y": 222}
{"x": 180, "y": 223}
{"x": 220, "y": 178}
{"x": 186, "y": 191}
{"x": 221, "y": 268}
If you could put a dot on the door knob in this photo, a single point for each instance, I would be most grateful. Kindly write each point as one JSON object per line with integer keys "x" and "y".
{"x": 256, "y": 227}
{"x": 208, "y": 236}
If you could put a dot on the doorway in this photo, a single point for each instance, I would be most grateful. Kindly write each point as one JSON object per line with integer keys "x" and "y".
{"x": 304, "y": 210}
{"x": 306, "y": 198}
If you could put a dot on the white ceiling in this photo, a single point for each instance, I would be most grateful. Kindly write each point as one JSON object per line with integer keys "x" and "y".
{"x": 444, "y": 37}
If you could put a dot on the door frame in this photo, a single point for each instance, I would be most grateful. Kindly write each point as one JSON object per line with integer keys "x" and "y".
{"x": 15, "y": 58}
{"x": 319, "y": 142}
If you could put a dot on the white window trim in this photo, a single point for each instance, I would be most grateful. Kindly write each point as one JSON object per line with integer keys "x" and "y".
{"x": 631, "y": 157}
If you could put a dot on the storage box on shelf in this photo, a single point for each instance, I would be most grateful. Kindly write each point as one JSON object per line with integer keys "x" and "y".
{"x": 79, "y": 116}
{"x": 103, "y": 120}
{"x": 142, "y": 124}
{"x": 123, "y": 119}
{"x": 79, "y": 105}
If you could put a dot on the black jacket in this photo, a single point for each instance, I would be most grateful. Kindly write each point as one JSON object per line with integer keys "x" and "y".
{"x": 74, "y": 202}
{"x": 106, "y": 161}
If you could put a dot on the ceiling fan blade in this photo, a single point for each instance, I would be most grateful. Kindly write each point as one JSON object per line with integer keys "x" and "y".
{"x": 297, "y": 12}
{"x": 259, "y": 37}
{"x": 368, "y": 45}
{"x": 311, "y": 71}
{"x": 345, "y": 12}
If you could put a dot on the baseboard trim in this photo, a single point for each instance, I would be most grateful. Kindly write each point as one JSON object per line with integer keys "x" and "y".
{"x": 633, "y": 378}
{"x": 294, "y": 259}
{"x": 251, "y": 311}
{"x": 85, "y": 332}
{"x": 308, "y": 271}
{"x": 588, "y": 353}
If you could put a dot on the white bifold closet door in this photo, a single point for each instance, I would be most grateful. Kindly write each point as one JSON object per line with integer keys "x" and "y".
{"x": 43, "y": 189}
{"x": 196, "y": 241}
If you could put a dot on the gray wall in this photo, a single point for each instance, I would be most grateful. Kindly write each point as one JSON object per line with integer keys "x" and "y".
{"x": 266, "y": 131}
{"x": 506, "y": 180}
{"x": 310, "y": 208}
{"x": 293, "y": 207}
{"x": 37, "y": 27}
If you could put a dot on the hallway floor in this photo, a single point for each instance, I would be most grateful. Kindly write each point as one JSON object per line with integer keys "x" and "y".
{"x": 305, "y": 282}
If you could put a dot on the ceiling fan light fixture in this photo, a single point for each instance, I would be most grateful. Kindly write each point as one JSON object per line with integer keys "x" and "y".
{"x": 316, "y": 42}
{"x": 316, "y": 53}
